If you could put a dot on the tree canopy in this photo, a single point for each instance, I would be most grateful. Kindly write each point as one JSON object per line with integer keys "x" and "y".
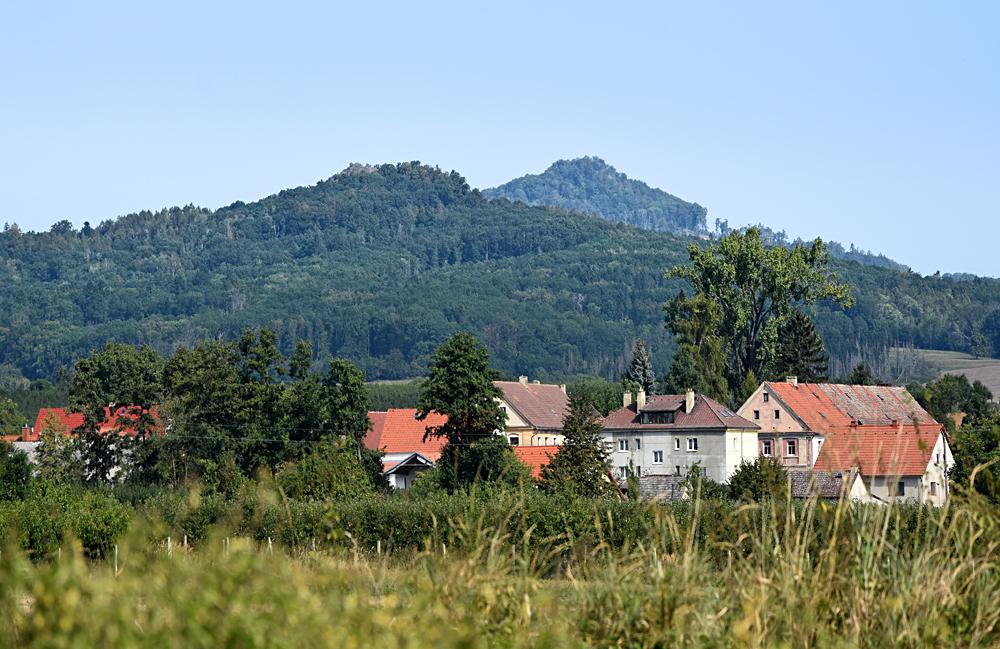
{"x": 756, "y": 289}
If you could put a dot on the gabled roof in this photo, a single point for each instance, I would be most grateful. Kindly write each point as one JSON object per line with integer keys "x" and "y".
{"x": 542, "y": 405}
{"x": 374, "y": 436}
{"x": 536, "y": 457}
{"x": 807, "y": 483}
{"x": 706, "y": 414}
{"x": 71, "y": 421}
{"x": 827, "y": 407}
{"x": 879, "y": 450}
{"x": 402, "y": 432}
{"x": 396, "y": 461}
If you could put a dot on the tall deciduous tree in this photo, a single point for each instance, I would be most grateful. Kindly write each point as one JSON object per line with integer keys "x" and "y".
{"x": 800, "y": 350}
{"x": 11, "y": 419}
{"x": 640, "y": 369}
{"x": 700, "y": 360}
{"x": 756, "y": 288}
{"x": 56, "y": 458}
{"x": 580, "y": 467}
{"x": 129, "y": 380}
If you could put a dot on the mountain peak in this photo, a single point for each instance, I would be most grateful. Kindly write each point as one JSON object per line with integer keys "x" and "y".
{"x": 589, "y": 184}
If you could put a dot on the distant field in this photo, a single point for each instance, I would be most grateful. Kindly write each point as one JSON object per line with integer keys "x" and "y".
{"x": 986, "y": 370}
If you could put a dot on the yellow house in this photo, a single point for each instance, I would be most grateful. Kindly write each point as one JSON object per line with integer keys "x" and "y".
{"x": 535, "y": 412}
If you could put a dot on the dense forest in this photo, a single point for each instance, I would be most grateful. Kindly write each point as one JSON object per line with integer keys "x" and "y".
{"x": 381, "y": 264}
{"x": 592, "y": 186}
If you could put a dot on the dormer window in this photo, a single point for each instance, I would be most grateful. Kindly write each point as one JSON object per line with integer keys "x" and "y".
{"x": 664, "y": 417}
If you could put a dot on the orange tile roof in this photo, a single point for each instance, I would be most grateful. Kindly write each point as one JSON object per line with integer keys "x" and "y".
{"x": 535, "y": 457}
{"x": 542, "y": 405}
{"x": 878, "y": 450}
{"x": 374, "y": 436}
{"x": 879, "y": 430}
{"x": 402, "y": 432}
{"x": 71, "y": 421}
{"x": 827, "y": 407}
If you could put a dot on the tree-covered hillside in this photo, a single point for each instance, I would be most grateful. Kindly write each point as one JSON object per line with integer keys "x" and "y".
{"x": 381, "y": 264}
{"x": 591, "y": 185}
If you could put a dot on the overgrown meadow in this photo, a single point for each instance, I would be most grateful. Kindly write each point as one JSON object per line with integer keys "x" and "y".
{"x": 494, "y": 568}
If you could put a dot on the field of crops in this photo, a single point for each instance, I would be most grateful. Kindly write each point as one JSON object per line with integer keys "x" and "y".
{"x": 815, "y": 575}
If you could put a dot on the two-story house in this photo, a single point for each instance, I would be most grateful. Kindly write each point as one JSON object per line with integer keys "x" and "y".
{"x": 878, "y": 432}
{"x": 667, "y": 434}
{"x": 535, "y": 412}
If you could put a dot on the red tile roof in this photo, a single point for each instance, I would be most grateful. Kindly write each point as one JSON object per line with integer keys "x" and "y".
{"x": 535, "y": 457}
{"x": 403, "y": 433}
{"x": 878, "y": 450}
{"x": 71, "y": 421}
{"x": 542, "y": 405}
{"x": 706, "y": 413}
{"x": 374, "y": 436}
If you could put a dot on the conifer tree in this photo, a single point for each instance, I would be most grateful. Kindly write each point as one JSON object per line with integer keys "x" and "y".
{"x": 800, "y": 350}
{"x": 640, "y": 370}
{"x": 581, "y": 466}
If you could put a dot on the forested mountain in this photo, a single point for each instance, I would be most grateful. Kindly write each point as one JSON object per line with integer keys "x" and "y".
{"x": 380, "y": 264}
{"x": 591, "y": 185}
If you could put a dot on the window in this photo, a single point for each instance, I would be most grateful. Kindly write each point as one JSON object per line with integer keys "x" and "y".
{"x": 677, "y": 469}
{"x": 765, "y": 448}
{"x": 791, "y": 448}
{"x": 638, "y": 443}
{"x": 938, "y": 460}
{"x": 623, "y": 445}
{"x": 677, "y": 443}
{"x": 623, "y": 471}
{"x": 514, "y": 440}
{"x": 777, "y": 414}
{"x": 692, "y": 443}
{"x": 900, "y": 488}
{"x": 933, "y": 488}
{"x": 767, "y": 397}
{"x": 756, "y": 415}
{"x": 657, "y": 457}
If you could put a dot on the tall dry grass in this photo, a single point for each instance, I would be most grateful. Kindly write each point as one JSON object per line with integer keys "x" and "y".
{"x": 818, "y": 575}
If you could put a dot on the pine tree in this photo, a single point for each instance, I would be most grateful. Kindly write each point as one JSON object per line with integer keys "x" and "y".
{"x": 683, "y": 374}
{"x": 640, "y": 370}
{"x": 580, "y": 468}
{"x": 862, "y": 375}
{"x": 800, "y": 350}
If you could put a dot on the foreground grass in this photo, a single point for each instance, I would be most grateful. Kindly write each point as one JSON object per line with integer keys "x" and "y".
{"x": 794, "y": 577}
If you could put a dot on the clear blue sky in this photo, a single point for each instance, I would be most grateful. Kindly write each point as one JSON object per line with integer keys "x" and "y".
{"x": 876, "y": 123}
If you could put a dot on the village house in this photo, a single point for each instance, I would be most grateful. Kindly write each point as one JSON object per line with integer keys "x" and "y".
{"x": 535, "y": 412}
{"x": 665, "y": 435}
{"x": 879, "y": 433}
{"x": 400, "y": 435}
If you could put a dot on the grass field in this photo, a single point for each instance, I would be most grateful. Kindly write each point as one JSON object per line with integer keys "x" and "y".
{"x": 986, "y": 370}
{"x": 816, "y": 576}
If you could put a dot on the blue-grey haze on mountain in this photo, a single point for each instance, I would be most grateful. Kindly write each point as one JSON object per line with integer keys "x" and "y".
{"x": 872, "y": 124}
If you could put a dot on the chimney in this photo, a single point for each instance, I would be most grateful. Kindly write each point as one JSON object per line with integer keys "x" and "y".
{"x": 640, "y": 399}
{"x": 794, "y": 380}
{"x": 627, "y": 399}
{"x": 689, "y": 401}
{"x": 523, "y": 380}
